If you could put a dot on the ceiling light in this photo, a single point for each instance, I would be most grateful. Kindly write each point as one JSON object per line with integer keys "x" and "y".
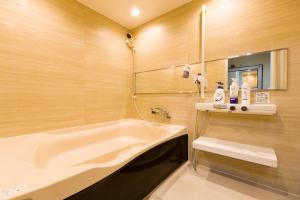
{"x": 135, "y": 12}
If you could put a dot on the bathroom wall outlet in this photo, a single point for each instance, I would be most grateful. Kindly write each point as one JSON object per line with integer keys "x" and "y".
{"x": 262, "y": 97}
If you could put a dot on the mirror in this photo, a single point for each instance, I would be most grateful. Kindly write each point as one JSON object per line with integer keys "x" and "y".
{"x": 168, "y": 80}
{"x": 263, "y": 71}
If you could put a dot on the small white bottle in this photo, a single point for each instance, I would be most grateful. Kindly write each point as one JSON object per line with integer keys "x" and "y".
{"x": 234, "y": 92}
{"x": 219, "y": 97}
{"x": 246, "y": 92}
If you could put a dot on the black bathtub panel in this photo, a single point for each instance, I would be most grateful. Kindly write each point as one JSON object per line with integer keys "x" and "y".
{"x": 139, "y": 177}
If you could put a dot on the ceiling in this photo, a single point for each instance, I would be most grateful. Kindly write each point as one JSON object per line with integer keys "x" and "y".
{"x": 120, "y": 10}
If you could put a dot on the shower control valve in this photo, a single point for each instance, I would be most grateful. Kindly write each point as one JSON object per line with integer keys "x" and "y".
{"x": 232, "y": 108}
{"x": 244, "y": 108}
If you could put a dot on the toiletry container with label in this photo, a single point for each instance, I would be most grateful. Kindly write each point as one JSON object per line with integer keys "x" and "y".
{"x": 234, "y": 92}
{"x": 219, "y": 97}
{"x": 245, "y": 94}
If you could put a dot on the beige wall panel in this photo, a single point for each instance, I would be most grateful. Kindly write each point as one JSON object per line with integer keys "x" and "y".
{"x": 168, "y": 43}
{"x": 234, "y": 28}
{"x": 54, "y": 55}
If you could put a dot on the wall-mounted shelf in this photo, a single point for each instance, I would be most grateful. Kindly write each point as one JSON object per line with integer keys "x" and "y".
{"x": 250, "y": 153}
{"x": 257, "y": 109}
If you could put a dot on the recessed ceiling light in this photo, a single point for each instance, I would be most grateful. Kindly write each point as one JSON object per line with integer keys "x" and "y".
{"x": 135, "y": 12}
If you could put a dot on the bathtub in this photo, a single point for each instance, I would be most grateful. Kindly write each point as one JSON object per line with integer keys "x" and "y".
{"x": 58, "y": 164}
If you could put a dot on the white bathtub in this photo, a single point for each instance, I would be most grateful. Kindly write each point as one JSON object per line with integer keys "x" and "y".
{"x": 54, "y": 165}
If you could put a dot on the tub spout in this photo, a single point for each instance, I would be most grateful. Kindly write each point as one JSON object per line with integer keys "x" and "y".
{"x": 162, "y": 112}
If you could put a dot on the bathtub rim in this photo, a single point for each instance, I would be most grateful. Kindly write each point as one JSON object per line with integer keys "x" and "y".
{"x": 180, "y": 130}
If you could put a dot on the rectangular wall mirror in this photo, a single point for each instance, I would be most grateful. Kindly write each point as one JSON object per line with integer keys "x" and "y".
{"x": 263, "y": 70}
{"x": 168, "y": 80}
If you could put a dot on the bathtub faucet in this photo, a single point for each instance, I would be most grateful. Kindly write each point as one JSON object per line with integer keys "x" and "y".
{"x": 160, "y": 111}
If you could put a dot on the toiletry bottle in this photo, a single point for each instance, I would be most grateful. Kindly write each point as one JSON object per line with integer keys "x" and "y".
{"x": 246, "y": 93}
{"x": 219, "y": 97}
{"x": 234, "y": 91}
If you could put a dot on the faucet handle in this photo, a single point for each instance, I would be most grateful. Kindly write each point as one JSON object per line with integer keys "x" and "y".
{"x": 155, "y": 110}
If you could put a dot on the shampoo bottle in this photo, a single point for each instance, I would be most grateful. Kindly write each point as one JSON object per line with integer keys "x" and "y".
{"x": 219, "y": 97}
{"x": 246, "y": 93}
{"x": 234, "y": 91}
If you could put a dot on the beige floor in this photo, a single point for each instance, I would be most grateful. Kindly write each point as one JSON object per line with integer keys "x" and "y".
{"x": 186, "y": 184}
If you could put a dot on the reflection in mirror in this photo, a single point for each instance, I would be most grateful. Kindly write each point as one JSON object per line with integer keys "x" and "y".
{"x": 168, "y": 80}
{"x": 216, "y": 71}
{"x": 263, "y": 71}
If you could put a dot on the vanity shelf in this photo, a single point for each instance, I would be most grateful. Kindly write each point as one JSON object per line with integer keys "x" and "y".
{"x": 250, "y": 153}
{"x": 256, "y": 109}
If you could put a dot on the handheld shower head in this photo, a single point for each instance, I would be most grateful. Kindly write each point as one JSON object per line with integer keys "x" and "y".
{"x": 186, "y": 72}
{"x": 129, "y": 41}
{"x": 129, "y": 35}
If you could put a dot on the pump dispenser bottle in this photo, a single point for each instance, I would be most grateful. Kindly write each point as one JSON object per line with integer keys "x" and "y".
{"x": 219, "y": 97}
{"x": 234, "y": 91}
{"x": 246, "y": 93}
